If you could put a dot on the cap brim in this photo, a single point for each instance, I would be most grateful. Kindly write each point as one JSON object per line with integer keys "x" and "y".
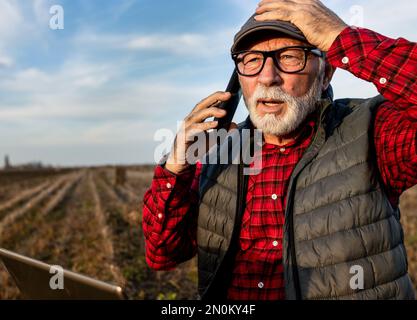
{"x": 281, "y": 30}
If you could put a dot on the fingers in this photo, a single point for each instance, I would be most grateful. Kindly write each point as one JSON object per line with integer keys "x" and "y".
{"x": 204, "y": 114}
{"x": 273, "y": 13}
{"x": 198, "y": 128}
{"x": 208, "y": 108}
{"x": 277, "y": 10}
{"x": 193, "y": 126}
{"x": 214, "y": 99}
{"x": 268, "y": 6}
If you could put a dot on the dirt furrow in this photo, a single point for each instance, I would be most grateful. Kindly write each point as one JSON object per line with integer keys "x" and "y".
{"x": 129, "y": 194}
{"x": 22, "y": 196}
{"x": 34, "y": 234}
{"x": 30, "y": 204}
{"x": 142, "y": 283}
{"x": 106, "y": 232}
{"x": 9, "y": 190}
{"x": 58, "y": 198}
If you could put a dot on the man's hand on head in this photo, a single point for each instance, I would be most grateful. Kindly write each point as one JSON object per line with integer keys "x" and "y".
{"x": 319, "y": 24}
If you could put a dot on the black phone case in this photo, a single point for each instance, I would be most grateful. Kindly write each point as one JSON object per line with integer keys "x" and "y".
{"x": 231, "y": 105}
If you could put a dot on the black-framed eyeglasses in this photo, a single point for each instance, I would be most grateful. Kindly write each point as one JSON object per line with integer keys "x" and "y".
{"x": 288, "y": 60}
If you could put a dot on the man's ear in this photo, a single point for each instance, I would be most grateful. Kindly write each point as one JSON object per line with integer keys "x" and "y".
{"x": 328, "y": 74}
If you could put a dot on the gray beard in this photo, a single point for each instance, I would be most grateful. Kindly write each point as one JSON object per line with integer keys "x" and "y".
{"x": 298, "y": 108}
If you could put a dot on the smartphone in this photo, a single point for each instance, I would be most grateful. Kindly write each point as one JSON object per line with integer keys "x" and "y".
{"x": 231, "y": 105}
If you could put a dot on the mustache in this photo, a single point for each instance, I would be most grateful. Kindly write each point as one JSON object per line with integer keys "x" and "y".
{"x": 276, "y": 93}
{"x": 271, "y": 93}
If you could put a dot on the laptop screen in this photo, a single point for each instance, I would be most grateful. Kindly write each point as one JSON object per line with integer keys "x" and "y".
{"x": 38, "y": 280}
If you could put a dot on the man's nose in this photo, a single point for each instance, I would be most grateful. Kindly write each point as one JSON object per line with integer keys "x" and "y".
{"x": 269, "y": 75}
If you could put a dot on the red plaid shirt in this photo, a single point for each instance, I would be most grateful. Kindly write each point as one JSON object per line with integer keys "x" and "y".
{"x": 258, "y": 271}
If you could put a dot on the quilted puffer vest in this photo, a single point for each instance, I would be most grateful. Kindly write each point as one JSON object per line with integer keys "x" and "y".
{"x": 338, "y": 217}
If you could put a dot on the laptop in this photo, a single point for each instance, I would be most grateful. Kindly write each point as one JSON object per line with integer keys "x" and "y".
{"x": 40, "y": 281}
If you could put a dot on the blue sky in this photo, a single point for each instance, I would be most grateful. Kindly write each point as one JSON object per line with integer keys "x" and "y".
{"x": 97, "y": 91}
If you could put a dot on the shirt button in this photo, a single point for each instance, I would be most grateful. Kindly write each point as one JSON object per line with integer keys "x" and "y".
{"x": 274, "y": 197}
{"x": 383, "y": 81}
{"x": 260, "y": 285}
{"x": 282, "y": 150}
{"x": 275, "y": 243}
{"x": 169, "y": 186}
{"x": 160, "y": 216}
{"x": 345, "y": 60}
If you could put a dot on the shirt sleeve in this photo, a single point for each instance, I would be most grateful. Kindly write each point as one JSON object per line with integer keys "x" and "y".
{"x": 391, "y": 65}
{"x": 169, "y": 218}
{"x": 395, "y": 137}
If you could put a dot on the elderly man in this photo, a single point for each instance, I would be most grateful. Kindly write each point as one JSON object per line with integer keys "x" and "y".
{"x": 321, "y": 219}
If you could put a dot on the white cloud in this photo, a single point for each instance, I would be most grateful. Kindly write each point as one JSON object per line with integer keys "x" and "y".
{"x": 139, "y": 100}
{"x": 10, "y": 19}
{"x": 5, "y": 61}
{"x": 89, "y": 104}
{"x": 391, "y": 19}
{"x": 72, "y": 76}
{"x": 246, "y": 6}
{"x": 123, "y": 7}
{"x": 41, "y": 11}
{"x": 20, "y": 20}
{"x": 174, "y": 43}
{"x": 185, "y": 43}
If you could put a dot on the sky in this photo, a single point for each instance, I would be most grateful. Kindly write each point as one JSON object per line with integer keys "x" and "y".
{"x": 100, "y": 90}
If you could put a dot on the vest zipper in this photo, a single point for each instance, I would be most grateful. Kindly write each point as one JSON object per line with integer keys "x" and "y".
{"x": 293, "y": 257}
{"x": 241, "y": 205}
{"x": 289, "y": 205}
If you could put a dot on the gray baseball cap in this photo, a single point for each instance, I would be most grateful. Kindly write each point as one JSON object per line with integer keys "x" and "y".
{"x": 253, "y": 27}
